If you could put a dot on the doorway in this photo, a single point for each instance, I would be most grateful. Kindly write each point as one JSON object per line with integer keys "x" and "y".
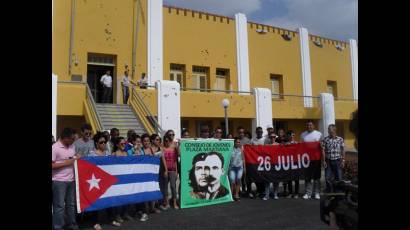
{"x": 94, "y": 74}
{"x": 97, "y": 66}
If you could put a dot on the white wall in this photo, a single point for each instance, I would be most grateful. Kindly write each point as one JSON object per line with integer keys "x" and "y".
{"x": 155, "y": 41}
{"x": 263, "y": 107}
{"x": 169, "y": 107}
{"x": 354, "y": 60}
{"x": 242, "y": 56}
{"x": 305, "y": 64}
{"x": 328, "y": 112}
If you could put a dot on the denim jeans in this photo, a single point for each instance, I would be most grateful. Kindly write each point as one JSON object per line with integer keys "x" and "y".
{"x": 235, "y": 174}
{"x": 316, "y": 187}
{"x": 126, "y": 94}
{"x": 64, "y": 202}
{"x": 333, "y": 172}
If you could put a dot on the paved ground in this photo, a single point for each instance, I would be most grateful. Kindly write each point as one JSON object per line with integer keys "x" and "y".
{"x": 292, "y": 214}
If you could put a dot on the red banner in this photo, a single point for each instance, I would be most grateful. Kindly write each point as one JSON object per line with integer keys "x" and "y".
{"x": 283, "y": 162}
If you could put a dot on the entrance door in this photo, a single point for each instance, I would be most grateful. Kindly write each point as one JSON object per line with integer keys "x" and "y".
{"x": 98, "y": 64}
{"x": 94, "y": 74}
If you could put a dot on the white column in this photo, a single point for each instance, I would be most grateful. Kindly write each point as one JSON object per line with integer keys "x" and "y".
{"x": 305, "y": 64}
{"x": 155, "y": 41}
{"x": 54, "y": 105}
{"x": 355, "y": 68}
{"x": 328, "y": 112}
{"x": 263, "y": 106}
{"x": 169, "y": 107}
{"x": 242, "y": 57}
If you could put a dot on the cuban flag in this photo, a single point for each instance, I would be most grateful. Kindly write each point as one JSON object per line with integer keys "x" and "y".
{"x": 103, "y": 182}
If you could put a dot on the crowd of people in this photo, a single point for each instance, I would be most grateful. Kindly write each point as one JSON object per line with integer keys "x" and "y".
{"x": 69, "y": 147}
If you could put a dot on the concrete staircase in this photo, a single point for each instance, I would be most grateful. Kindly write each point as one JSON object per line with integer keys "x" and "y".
{"x": 121, "y": 117}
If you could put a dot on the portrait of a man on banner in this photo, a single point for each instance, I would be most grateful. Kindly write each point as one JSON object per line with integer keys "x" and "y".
{"x": 205, "y": 176}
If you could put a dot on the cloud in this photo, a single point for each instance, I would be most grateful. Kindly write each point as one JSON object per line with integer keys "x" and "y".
{"x": 222, "y": 7}
{"x": 329, "y": 18}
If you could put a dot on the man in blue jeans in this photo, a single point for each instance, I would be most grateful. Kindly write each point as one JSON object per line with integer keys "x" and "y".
{"x": 334, "y": 155}
{"x": 62, "y": 158}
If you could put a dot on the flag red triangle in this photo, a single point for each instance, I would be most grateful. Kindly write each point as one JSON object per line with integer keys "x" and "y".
{"x": 102, "y": 181}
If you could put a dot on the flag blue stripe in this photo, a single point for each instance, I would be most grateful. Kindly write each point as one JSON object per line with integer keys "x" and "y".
{"x": 114, "y": 160}
{"x": 136, "y": 178}
{"x": 124, "y": 200}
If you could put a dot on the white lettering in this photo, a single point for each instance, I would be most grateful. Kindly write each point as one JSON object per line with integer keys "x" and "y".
{"x": 305, "y": 160}
{"x": 279, "y": 165}
{"x": 285, "y": 166}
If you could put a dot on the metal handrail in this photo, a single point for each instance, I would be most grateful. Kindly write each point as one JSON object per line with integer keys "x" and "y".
{"x": 94, "y": 107}
{"x": 157, "y": 126}
{"x": 147, "y": 112}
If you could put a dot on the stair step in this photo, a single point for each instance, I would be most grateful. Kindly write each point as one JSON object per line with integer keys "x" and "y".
{"x": 116, "y": 113}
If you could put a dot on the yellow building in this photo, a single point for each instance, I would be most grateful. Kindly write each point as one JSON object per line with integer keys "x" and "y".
{"x": 212, "y": 57}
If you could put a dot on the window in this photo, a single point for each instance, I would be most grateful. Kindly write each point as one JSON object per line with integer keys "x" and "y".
{"x": 332, "y": 88}
{"x": 184, "y": 124}
{"x": 177, "y": 73}
{"x": 222, "y": 79}
{"x": 200, "y": 78}
{"x": 276, "y": 86}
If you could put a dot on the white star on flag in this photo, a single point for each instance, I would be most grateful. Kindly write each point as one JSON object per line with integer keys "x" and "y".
{"x": 93, "y": 182}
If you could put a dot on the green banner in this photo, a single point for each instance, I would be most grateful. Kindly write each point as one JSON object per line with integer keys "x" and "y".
{"x": 204, "y": 172}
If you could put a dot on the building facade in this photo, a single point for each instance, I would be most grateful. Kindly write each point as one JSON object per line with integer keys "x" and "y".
{"x": 211, "y": 56}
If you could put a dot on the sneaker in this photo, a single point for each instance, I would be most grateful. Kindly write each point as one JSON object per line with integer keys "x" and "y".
{"x": 306, "y": 196}
{"x": 97, "y": 227}
{"x": 176, "y": 207}
{"x": 276, "y": 197}
{"x": 296, "y": 196}
{"x": 251, "y": 195}
{"x": 265, "y": 198}
{"x": 115, "y": 223}
{"x": 317, "y": 196}
{"x": 144, "y": 217}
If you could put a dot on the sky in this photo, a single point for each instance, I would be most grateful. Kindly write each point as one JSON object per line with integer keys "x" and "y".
{"x": 334, "y": 19}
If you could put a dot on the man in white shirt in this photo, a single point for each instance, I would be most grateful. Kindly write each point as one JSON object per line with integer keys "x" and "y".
{"x": 312, "y": 135}
{"x": 106, "y": 80}
{"x": 125, "y": 87}
{"x": 259, "y": 139}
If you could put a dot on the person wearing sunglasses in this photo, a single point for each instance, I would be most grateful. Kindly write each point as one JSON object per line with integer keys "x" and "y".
{"x": 218, "y": 133}
{"x": 171, "y": 159}
{"x": 121, "y": 211}
{"x": 272, "y": 141}
{"x": 146, "y": 150}
{"x": 100, "y": 143}
{"x": 84, "y": 145}
{"x": 175, "y": 146}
